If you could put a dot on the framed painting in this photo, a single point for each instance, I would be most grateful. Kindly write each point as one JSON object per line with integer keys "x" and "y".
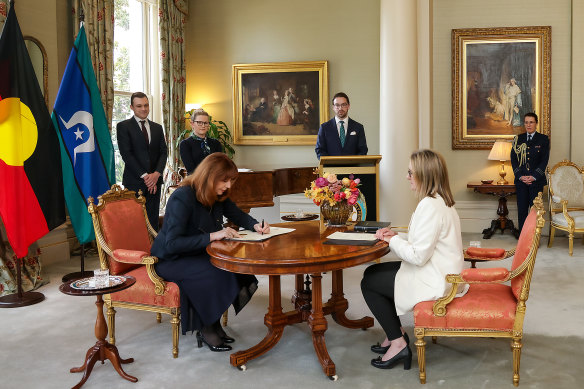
{"x": 499, "y": 75}
{"x": 279, "y": 103}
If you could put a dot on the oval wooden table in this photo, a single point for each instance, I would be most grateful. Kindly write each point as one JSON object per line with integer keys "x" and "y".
{"x": 102, "y": 349}
{"x": 300, "y": 252}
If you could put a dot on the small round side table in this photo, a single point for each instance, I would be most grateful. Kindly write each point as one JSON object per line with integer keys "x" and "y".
{"x": 102, "y": 349}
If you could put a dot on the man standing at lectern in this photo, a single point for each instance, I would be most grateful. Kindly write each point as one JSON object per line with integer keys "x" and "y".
{"x": 341, "y": 135}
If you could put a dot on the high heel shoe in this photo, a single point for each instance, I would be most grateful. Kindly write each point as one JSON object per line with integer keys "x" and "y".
{"x": 379, "y": 349}
{"x": 221, "y": 332}
{"x": 404, "y": 355}
{"x": 218, "y": 348}
{"x": 227, "y": 339}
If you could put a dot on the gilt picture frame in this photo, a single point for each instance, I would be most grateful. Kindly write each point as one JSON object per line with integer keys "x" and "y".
{"x": 279, "y": 103}
{"x": 499, "y": 75}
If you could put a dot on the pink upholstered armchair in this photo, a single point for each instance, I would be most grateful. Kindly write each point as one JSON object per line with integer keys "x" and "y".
{"x": 124, "y": 237}
{"x": 490, "y": 308}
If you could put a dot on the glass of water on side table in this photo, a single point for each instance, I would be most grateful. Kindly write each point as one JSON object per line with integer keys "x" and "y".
{"x": 101, "y": 277}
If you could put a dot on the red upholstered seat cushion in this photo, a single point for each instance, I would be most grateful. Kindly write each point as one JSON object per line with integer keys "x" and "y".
{"x": 522, "y": 250}
{"x": 142, "y": 292}
{"x": 123, "y": 226}
{"x": 484, "y": 252}
{"x": 484, "y": 306}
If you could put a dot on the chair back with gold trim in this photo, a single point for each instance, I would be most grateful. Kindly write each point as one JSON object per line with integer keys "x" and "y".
{"x": 124, "y": 237}
{"x": 566, "y": 200}
{"x": 491, "y": 308}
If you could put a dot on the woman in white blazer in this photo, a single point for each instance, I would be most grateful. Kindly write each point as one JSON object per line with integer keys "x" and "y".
{"x": 431, "y": 250}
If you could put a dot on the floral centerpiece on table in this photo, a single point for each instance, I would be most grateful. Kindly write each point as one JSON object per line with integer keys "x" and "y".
{"x": 335, "y": 197}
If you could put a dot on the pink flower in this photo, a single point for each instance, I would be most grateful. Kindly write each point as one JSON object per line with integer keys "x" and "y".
{"x": 320, "y": 182}
{"x": 332, "y": 178}
{"x": 352, "y": 200}
{"x": 357, "y": 181}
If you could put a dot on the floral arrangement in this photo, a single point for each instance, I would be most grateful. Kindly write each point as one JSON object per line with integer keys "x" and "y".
{"x": 330, "y": 188}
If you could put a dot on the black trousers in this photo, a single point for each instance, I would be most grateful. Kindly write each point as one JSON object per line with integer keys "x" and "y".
{"x": 525, "y": 196}
{"x": 377, "y": 287}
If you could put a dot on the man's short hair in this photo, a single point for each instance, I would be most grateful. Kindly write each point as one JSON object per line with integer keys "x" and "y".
{"x": 341, "y": 94}
{"x": 137, "y": 95}
{"x": 532, "y": 114}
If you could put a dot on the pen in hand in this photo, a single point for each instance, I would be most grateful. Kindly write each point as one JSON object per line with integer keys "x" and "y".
{"x": 262, "y": 226}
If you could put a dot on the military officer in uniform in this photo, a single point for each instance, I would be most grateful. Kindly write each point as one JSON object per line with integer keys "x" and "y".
{"x": 529, "y": 158}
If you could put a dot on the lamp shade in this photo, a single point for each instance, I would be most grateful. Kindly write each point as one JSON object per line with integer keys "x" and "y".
{"x": 501, "y": 151}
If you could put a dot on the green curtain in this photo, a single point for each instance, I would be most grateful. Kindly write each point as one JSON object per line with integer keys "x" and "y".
{"x": 172, "y": 17}
{"x": 99, "y": 28}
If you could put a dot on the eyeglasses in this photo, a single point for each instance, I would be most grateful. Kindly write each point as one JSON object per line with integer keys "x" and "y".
{"x": 344, "y": 105}
{"x": 201, "y": 123}
{"x": 410, "y": 173}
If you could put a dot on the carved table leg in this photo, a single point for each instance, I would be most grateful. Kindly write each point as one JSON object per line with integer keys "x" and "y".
{"x": 318, "y": 325}
{"x": 275, "y": 320}
{"x": 101, "y": 350}
{"x": 338, "y": 305}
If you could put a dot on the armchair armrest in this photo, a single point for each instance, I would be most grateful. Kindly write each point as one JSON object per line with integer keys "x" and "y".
{"x": 133, "y": 256}
{"x": 477, "y": 276}
{"x": 487, "y": 254}
{"x": 569, "y": 218}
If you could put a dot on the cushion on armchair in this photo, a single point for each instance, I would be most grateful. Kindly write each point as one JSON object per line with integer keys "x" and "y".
{"x": 130, "y": 235}
{"x": 484, "y": 275}
{"x": 143, "y": 291}
{"x": 133, "y": 256}
{"x": 486, "y": 253}
{"x": 490, "y": 306}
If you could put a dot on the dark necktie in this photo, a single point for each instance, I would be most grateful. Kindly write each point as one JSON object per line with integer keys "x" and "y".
{"x": 144, "y": 132}
{"x": 529, "y": 137}
{"x": 342, "y": 133}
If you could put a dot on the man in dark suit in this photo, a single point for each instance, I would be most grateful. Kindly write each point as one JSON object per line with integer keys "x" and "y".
{"x": 143, "y": 149}
{"x": 341, "y": 135}
{"x": 529, "y": 158}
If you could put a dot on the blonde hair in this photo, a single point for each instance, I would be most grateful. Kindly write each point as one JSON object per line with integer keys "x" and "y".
{"x": 214, "y": 168}
{"x": 199, "y": 112}
{"x": 431, "y": 175}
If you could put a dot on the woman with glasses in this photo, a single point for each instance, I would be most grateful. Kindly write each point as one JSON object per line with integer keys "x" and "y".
{"x": 431, "y": 250}
{"x": 193, "y": 219}
{"x": 195, "y": 148}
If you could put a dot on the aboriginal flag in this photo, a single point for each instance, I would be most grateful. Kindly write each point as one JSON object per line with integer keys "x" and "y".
{"x": 87, "y": 152}
{"x": 31, "y": 182}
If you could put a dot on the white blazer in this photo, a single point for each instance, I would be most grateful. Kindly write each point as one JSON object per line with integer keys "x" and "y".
{"x": 432, "y": 250}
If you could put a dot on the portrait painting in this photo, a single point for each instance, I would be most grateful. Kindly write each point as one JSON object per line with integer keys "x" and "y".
{"x": 279, "y": 103}
{"x": 499, "y": 75}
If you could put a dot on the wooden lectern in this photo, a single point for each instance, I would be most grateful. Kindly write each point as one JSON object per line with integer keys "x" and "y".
{"x": 364, "y": 167}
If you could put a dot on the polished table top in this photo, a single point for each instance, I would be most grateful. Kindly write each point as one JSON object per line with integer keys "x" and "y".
{"x": 301, "y": 251}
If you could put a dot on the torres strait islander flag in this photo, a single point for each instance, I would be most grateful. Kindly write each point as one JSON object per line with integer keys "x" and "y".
{"x": 87, "y": 152}
{"x": 31, "y": 184}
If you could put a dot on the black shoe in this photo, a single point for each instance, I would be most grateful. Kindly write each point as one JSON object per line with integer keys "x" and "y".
{"x": 218, "y": 348}
{"x": 404, "y": 355}
{"x": 227, "y": 339}
{"x": 379, "y": 349}
{"x": 221, "y": 332}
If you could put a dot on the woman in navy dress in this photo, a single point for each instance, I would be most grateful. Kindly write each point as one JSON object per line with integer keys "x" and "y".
{"x": 193, "y": 219}
{"x": 197, "y": 146}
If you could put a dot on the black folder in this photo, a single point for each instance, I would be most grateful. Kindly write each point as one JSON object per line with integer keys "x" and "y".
{"x": 370, "y": 226}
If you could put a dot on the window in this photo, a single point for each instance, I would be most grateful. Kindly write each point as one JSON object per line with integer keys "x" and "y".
{"x": 136, "y": 66}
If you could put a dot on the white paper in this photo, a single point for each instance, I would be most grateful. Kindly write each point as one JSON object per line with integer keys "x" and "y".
{"x": 352, "y": 236}
{"x": 252, "y": 236}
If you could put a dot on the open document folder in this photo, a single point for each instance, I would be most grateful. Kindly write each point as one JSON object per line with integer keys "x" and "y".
{"x": 252, "y": 236}
{"x": 351, "y": 238}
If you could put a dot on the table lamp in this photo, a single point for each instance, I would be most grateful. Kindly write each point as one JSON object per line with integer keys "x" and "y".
{"x": 501, "y": 151}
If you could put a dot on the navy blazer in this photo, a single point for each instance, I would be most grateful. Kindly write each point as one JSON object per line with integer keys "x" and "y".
{"x": 191, "y": 151}
{"x": 328, "y": 142}
{"x": 537, "y": 156}
{"x": 139, "y": 157}
{"x": 188, "y": 224}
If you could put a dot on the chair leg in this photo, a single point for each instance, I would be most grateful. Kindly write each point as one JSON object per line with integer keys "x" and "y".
{"x": 551, "y": 237}
{"x": 516, "y": 346}
{"x": 159, "y": 317}
{"x": 225, "y": 317}
{"x": 111, "y": 323}
{"x": 571, "y": 240}
{"x": 175, "y": 322}
{"x": 421, "y": 349}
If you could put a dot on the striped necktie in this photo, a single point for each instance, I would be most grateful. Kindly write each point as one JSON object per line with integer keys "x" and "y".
{"x": 342, "y": 133}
